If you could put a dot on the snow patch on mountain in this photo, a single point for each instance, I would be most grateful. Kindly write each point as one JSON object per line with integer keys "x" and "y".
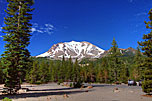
{"x": 73, "y": 49}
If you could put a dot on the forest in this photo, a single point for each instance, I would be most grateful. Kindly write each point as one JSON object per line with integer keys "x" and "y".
{"x": 113, "y": 68}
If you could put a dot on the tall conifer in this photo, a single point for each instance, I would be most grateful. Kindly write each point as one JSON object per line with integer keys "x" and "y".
{"x": 115, "y": 61}
{"x": 17, "y": 29}
{"x": 147, "y": 50}
{"x": 137, "y": 68}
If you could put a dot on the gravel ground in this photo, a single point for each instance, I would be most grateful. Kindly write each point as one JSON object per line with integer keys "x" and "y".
{"x": 99, "y": 92}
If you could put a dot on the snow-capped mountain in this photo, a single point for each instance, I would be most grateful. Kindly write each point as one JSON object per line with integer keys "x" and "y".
{"x": 74, "y": 50}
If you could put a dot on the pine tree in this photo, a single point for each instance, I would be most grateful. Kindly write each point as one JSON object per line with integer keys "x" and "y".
{"x": 32, "y": 75}
{"x": 104, "y": 66}
{"x": 99, "y": 74}
{"x": 76, "y": 71}
{"x": 62, "y": 69}
{"x": 123, "y": 73}
{"x": 137, "y": 68}
{"x": 1, "y": 73}
{"x": 115, "y": 61}
{"x": 69, "y": 70}
{"x": 147, "y": 50}
{"x": 43, "y": 72}
{"x": 17, "y": 29}
{"x": 51, "y": 71}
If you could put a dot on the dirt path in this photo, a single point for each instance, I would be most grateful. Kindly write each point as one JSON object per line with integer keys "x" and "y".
{"x": 99, "y": 92}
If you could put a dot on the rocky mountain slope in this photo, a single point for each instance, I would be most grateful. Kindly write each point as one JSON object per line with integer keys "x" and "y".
{"x": 74, "y": 50}
{"x": 80, "y": 50}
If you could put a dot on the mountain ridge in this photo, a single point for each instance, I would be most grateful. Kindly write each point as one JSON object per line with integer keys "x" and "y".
{"x": 79, "y": 50}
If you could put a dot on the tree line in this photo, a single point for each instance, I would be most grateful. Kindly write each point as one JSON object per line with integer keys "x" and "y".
{"x": 113, "y": 68}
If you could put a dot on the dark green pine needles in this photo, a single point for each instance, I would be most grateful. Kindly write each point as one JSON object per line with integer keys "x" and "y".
{"x": 115, "y": 61}
{"x": 17, "y": 35}
{"x": 147, "y": 50}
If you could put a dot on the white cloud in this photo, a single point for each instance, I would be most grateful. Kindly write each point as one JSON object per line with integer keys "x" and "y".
{"x": 33, "y": 30}
{"x": 42, "y": 29}
{"x": 49, "y": 25}
{"x": 46, "y": 28}
{"x": 39, "y": 29}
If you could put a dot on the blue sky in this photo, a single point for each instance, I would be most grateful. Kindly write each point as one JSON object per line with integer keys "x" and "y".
{"x": 95, "y": 21}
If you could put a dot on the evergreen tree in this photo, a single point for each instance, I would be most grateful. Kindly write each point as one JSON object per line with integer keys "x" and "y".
{"x": 43, "y": 72}
{"x": 58, "y": 71}
{"x": 137, "y": 68}
{"x": 115, "y": 61}
{"x": 123, "y": 73}
{"x": 32, "y": 74}
{"x": 51, "y": 71}
{"x": 105, "y": 70}
{"x": 90, "y": 69}
{"x": 69, "y": 70}
{"x": 62, "y": 69}
{"x": 99, "y": 74}
{"x": 17, "y": 29}
{"x": 1, "y": 73}
{"x": 76, "y": 71}
{"x": 147, "y": 50}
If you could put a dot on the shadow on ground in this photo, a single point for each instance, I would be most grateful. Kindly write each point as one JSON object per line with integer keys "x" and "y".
{"x": 51, "y": 89}
{"x": 41, "y": 93}
{"x": 49, "y": 92}
{"x": 102, "y": 85}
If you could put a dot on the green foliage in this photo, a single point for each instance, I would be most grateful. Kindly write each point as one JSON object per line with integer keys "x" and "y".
{"x": 137, "y": 69}
{"x": 1, "y": 73}
{"x": 147, "y": 50}
{"x": 16, "y": 57}
{"x": 111, "y": 69}
{"x": 115, "y": 62}
{"x": 101, "y": 70}
{"x": 6, "y": 99}
{"x": 71, "y": 85}
{"x": 77, "y": 84}
{"x": 60, "y": 81}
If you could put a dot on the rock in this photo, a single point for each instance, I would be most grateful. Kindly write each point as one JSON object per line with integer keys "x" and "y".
{"x": 65, "y": 96}
{"x": 116, "y": 90}
{"x": 82, "y": 87}
{"x": 89, "y": 87}
{"x": 23, "y": 90}
{"x": 48, "y": 98}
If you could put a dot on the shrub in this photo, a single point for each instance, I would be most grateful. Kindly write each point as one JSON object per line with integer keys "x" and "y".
{"x": 7, "y": 99}
{"x": 77, "y": 84}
